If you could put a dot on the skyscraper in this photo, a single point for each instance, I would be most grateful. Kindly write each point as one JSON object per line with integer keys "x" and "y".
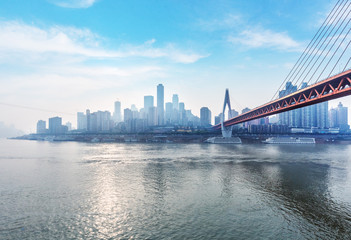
{"x": 81, "y": 121}
{"x": 169, "y": 110}
{"x": 205, "y": 117}
{"x": 148, "y": 102}
{"x": 338, "y": 118}
{"x": 175, "y": 101}
{"x": 117, "y": 116}
{"x": 342, "y": 117}
{"x": 160, "y": 104}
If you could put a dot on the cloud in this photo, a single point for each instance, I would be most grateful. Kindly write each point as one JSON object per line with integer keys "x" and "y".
{"x": 23, "y": 39}
{"x": 74, "y": 3}
{"x": 258, "y": 38}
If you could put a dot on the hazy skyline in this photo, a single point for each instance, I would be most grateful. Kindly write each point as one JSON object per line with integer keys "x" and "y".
{"x": 67, "y": 56}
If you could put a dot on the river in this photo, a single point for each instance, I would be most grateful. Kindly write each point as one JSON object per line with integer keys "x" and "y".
{"x": 71, "y": 190}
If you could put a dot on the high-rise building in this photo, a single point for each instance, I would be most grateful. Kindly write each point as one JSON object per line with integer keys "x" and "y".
{"x": 55, "y": 126}
{"x": 168, "y": 114}
{"x": 338, "y": 118}
{"x": 117, "y": 116}
{"x": 152, "y": 116}
{"x": 148, "y": 102}
{"x": 175, "y": 101}
{"x": 182, "y": 115}
{"x": 288, "y": 118}
{"x": 81, "y": 121}
{"x": 232, "y": 113}
{"x": 160, "y": 105}
{"x": 205, "y": 117}
{"x": 41, "y": 127}
{"x": 133, "y": 108}
{"x": 128, "y": 115}
{"x": 342, "y": 117}
{"x": 69, "y": 126}
{"x": 87, "y": 113}
{"x": 322, "y": 115}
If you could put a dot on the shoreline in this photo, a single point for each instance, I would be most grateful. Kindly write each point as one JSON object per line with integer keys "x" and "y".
{"x": 176, "y": 138}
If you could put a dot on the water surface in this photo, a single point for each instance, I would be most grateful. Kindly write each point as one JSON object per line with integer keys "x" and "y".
{"x": 70, "y": 190}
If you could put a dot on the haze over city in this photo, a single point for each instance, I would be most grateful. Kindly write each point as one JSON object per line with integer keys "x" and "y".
{"x": 62, "y": 57}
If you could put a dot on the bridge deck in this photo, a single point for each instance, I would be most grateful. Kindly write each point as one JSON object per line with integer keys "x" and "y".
{"x": 334, "y": 87}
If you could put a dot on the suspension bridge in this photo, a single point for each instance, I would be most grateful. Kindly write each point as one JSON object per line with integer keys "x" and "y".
{"x": 313, "y": 73}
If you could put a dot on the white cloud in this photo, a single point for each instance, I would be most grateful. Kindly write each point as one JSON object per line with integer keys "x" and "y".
{"x": 18, "y": 38}
{"x": 258, "y": 38}
{"x": 74, "y": 3}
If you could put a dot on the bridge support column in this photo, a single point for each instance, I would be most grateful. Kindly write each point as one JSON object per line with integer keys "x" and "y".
{"x": 226, "y": 131}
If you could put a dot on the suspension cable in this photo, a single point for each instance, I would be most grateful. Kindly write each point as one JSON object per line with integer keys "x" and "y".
{"x": 320, "y": 46}
{"x": 319, "y": 32}
{"x": 346, "y": 64}
{"x": 339, "y": 58}
{"x": 328, "y": 50}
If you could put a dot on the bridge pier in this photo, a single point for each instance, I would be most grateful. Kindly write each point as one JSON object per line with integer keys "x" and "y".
{"x": 226, "y": 131}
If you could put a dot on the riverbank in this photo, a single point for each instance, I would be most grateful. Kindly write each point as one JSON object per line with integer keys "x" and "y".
{"x": 178, "y": 138}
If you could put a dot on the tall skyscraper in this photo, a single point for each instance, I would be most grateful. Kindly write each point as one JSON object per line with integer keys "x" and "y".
{"x": 117, "y": 116}
{"x": 175, "y": 101}
{"x": 205, "y": 117}
{"x": 160, "y": 105}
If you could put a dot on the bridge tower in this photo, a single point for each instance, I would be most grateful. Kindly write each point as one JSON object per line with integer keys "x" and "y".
{"x": 226, "y": 131}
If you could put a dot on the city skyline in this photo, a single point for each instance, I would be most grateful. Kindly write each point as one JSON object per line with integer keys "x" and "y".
{"x": 55, "y": 58}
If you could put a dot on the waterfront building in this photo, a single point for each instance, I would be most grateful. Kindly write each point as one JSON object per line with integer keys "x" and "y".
{"x": 322, "y": 115}
{"x": 205, "y": 117}
{"x": 117, "y": 116}
{"x": 338, "y": 118}
{"x": 160, "y": 105}
{"x": 152, "y": 116}
{"x": 148, "y": 102}
{"x": 69, "y": 126}
{"x": 128, "y": 115}
{"x": 81, "y": 121}
{"x": 218, "y": 119}
{"x": 182, "y": 115}
{"x": 168, "y": 113}
{"x": 41, "y": 127}
{"x": 99, "y": 121}
{"x": 175, "y": 101}
{"x": 55, "y": 126}
{"x": 232, "y": 113}
{"x": 342, "y": 117}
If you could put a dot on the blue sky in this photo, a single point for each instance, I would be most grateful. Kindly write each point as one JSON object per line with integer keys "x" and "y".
{"x": 68, "y": 56}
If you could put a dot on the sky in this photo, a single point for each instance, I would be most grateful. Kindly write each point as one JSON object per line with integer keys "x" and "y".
{"x": 59, "y": 57}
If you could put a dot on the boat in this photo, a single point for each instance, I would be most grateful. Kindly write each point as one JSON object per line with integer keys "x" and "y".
{"x": 290, "y": 140}
{"x": 224, "y": 140}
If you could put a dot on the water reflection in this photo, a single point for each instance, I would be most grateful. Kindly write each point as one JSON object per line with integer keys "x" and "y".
{"x": 301, "y": 189}
{"x": 175, "y": 191}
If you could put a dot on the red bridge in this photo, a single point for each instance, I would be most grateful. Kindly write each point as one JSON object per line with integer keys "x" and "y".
{"x": 328, "y": 89}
